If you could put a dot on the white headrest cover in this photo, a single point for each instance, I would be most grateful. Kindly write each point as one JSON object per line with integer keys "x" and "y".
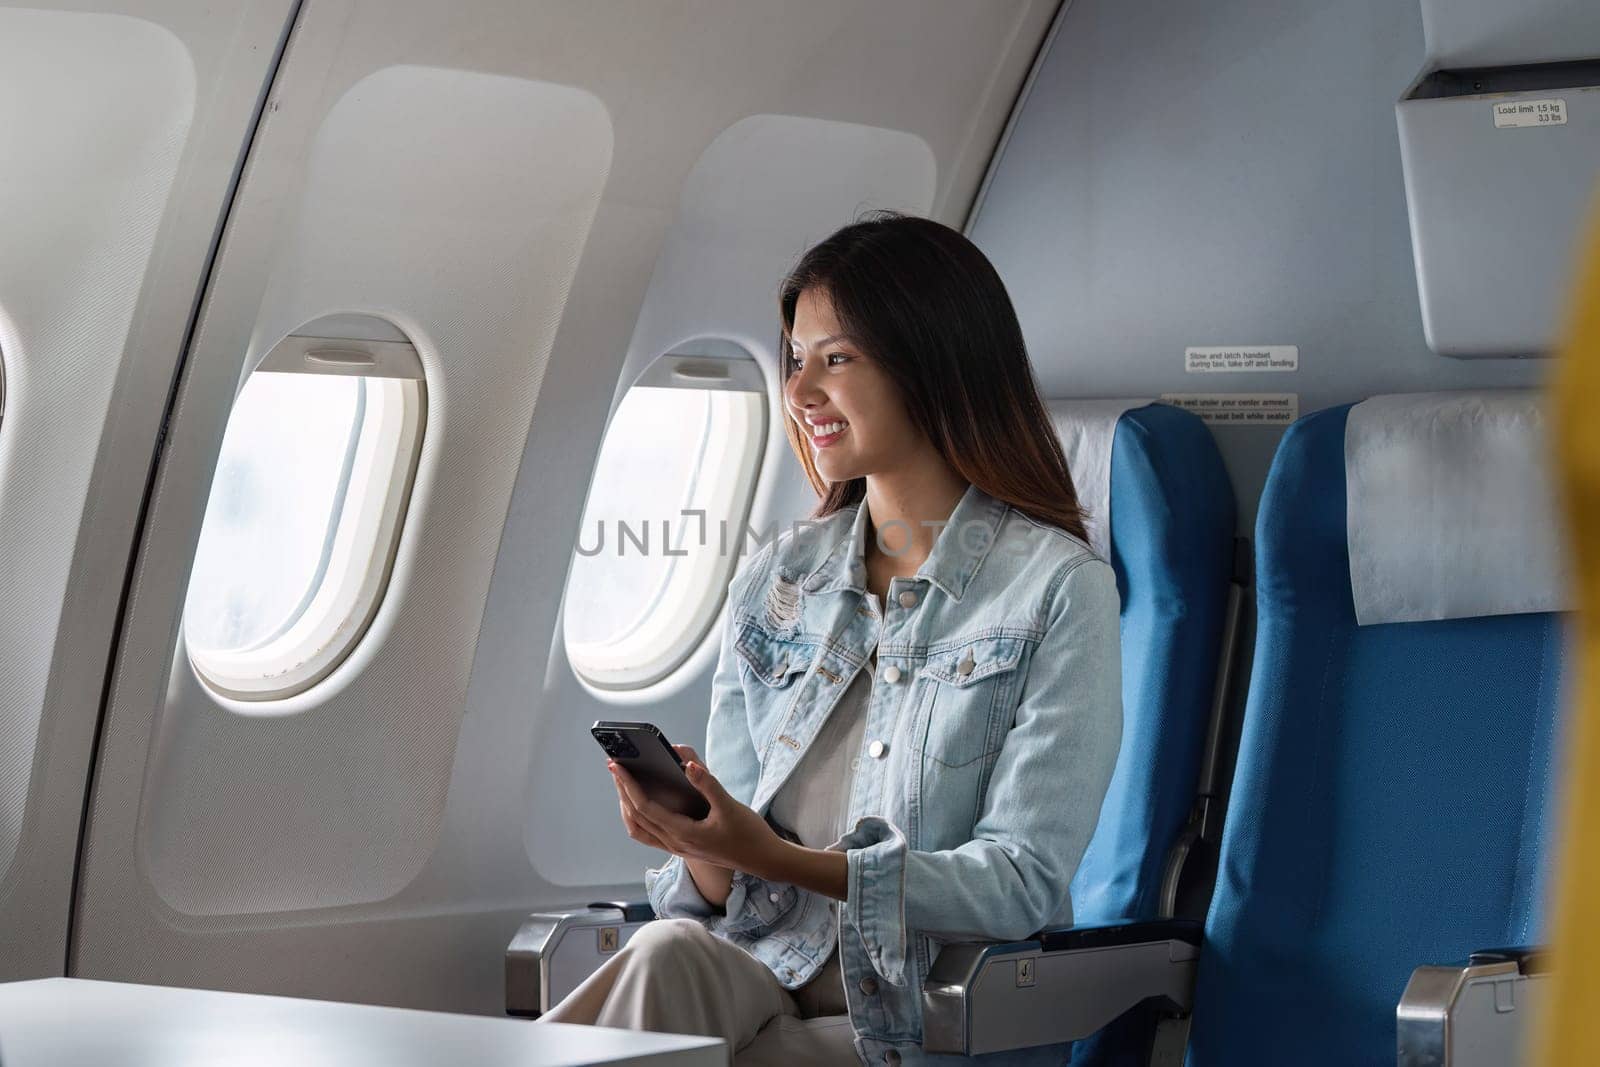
{"x": 1451, "y": 508}
{"x": 1087, "y": 429}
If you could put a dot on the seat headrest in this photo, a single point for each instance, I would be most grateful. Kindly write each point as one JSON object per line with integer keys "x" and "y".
{"x": 1087, "y": 429}
{"x": 1451, "y": 509}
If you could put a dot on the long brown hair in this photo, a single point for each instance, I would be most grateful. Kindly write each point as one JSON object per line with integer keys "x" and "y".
{"x": 931, "y": 310}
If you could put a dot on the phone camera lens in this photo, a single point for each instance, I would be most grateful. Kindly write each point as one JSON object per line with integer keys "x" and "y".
{"x": 616, "y": 745}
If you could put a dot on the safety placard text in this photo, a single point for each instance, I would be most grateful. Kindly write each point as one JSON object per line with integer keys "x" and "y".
{"x": 1210, "y": 360}
{"x": 1239, "y": 409}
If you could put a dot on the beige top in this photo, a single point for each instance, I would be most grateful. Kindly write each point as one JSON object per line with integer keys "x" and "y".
{"x": 815, "y": 800}
{"x": 814, "y": 803}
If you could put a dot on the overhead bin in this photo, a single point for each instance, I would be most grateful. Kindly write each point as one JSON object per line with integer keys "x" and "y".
{"x": 1500, "y": 140}
{"x": 1493, "y": 33}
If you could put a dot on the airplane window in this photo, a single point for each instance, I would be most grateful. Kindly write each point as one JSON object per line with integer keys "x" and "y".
{"x": 301, "y": 526}
{"x": 663, "y": 526}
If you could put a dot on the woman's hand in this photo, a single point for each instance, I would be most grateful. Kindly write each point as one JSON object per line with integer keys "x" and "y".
{"x": 732, "y": 836}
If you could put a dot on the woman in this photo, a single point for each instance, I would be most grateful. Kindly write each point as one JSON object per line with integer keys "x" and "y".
{"x": 917, "y": 707}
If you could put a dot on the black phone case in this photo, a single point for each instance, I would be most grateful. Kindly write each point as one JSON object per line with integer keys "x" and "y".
{"x": 653, "y": 764}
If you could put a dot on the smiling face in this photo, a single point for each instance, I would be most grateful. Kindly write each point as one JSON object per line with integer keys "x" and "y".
{"x": 847, "y": 408}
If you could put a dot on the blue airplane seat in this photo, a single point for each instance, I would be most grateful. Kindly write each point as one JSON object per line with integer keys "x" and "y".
{"x": 1171, "y": 543}
{"x": 1388, "y": 806}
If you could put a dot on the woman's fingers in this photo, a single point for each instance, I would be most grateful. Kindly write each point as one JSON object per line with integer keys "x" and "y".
{"x": 644, "y": 837}
{"x": 635, "y": 826}
{"x": 657, "y": 816}
{"x": 651, "y": 824}
{"x": 626, "y": 783}
{"x": 706, "y": 782}
{"x": 649, "y": 816}
{"x": 643, "y": 807}
{"x": 654, "y": 829}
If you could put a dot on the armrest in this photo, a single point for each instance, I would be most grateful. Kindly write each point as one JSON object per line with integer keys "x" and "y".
{"x": 1471, "y": 1014}
{"x": 554, "y": 951}
{"x": 1530, "y": 959}
{"x": 1123, "y": 932}
{"x": 1059, "y": 985}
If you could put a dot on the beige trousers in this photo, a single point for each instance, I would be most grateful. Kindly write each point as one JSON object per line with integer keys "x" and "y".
{"x": 675, "y": 976}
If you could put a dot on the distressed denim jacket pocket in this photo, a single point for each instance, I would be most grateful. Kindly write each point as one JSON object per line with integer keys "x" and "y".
{"x": 969, "y": 684}
{"x": 774, "y": 662}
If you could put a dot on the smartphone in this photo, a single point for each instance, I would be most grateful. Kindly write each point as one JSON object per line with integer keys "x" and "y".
{"x": 643, "y": 751}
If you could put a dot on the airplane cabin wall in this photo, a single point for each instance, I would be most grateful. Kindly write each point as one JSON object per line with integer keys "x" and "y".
{"x": 544, "y": 197}
{"x": 124, "y": 125}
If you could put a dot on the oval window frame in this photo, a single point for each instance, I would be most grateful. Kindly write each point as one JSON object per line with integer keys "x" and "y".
{"x": 330, "y": 623}
{"x": 654, "y": 648}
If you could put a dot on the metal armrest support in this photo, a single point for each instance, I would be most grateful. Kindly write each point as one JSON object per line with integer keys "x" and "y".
{"x": 554, "y": 951}
{"x": 1059, "y": 985}
{"x": 1471, "y": 1014}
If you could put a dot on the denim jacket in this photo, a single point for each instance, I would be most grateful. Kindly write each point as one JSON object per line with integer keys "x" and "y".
{"x": 992, "y": 731}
